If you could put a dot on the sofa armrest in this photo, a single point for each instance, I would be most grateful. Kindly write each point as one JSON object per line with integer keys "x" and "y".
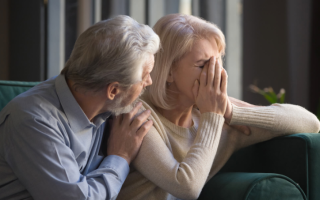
{"x": 312, "y": 141}
{"x": 296, "y": 156}
{"x": 251, "y": 186}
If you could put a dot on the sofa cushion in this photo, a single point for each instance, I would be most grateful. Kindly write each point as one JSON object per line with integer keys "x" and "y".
{"x": 11, "y": 89}
{"x": 251, "y": 186}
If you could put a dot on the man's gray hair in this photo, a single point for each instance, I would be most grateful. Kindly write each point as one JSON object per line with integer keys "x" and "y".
{"x": 112, "y": 50}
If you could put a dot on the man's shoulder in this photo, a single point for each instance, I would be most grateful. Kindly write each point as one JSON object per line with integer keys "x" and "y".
{"x": 38, "y": 102}
{"x": 33, "y": 114}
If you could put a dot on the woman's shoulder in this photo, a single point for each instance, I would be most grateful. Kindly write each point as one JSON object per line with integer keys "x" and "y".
{"x": 155, "y": 116}
{"x": 147, "y": 104}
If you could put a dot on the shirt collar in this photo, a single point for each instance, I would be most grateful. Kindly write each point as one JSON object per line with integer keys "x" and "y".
{"x": 101, "y": 118}
{"x": 76, "y": 117}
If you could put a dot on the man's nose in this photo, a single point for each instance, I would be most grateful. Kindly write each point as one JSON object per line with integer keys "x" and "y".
{"x": 149, "y": 82}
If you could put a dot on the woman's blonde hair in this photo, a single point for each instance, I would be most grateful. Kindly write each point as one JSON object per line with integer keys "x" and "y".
{"x": 177, "y": 34}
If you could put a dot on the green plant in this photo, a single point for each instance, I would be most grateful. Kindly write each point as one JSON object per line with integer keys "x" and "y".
{"x": 270, "y": 95}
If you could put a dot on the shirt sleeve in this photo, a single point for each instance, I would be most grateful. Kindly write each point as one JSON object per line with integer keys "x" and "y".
{"x": 46, "y": 166}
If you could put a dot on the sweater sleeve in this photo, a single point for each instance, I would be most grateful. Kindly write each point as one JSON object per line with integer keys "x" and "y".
{"x": 284, "y": 118}
{"x": 186, "y": 179}
{"x": 265, "y": 122}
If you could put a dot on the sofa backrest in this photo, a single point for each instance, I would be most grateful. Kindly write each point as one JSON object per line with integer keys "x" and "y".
{"x": 10, "y": 89}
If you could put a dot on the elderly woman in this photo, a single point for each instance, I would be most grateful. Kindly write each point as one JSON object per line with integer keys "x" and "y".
{"x": 195, "y": 124}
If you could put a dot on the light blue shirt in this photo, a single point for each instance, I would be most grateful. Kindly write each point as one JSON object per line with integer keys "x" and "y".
{"x": 50, "y": 150}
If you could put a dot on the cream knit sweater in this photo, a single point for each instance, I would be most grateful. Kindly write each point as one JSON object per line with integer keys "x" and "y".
{"x": 175, "y": 162}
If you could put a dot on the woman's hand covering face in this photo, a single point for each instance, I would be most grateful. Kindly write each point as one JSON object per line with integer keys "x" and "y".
{"x": 211, "y": 93}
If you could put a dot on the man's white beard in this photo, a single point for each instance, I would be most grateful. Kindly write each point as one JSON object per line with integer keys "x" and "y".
{"x": 120, "y": 110}
{"x": 117, "y": 109}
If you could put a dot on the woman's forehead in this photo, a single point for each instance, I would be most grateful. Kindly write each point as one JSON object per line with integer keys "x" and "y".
{"x": 204, "y": 49}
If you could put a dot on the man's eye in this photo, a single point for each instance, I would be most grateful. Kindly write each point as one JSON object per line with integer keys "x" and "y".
{"x": 201, "y": 66}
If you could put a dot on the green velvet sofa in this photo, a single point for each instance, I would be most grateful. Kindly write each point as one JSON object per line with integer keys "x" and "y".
{"x": 282, "y": 168}
{"x": 285, "y": 168}
{"x": 10, "y": 89}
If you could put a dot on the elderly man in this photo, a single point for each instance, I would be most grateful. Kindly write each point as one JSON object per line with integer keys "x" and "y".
{"x": 51, "y": 137}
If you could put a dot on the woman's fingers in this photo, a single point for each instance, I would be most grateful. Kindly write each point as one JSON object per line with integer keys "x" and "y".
{"x": 224, "y": 81}
{"x": 211, "y": 98}
{"x": 211, "y": 71}
{"x": 203, "y": 76}
{"x": 217, "y": 76}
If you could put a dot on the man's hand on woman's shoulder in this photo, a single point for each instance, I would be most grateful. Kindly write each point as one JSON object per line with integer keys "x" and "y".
{"x": 127, "y": 133}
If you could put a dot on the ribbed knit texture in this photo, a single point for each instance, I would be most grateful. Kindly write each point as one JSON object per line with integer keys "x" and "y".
{"x": 277, "y": 117}
{"x": 174, "y": 162}
{"x": 255, "y": 116}
{"x": 211, "y": 126}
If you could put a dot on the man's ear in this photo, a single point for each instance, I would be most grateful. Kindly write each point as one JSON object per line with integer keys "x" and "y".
{"x": 170, "y": 76}
{"x": 112, "y": 90}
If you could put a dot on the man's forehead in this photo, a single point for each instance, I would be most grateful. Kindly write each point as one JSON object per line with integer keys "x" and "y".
{"x": 148, "y": 66}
